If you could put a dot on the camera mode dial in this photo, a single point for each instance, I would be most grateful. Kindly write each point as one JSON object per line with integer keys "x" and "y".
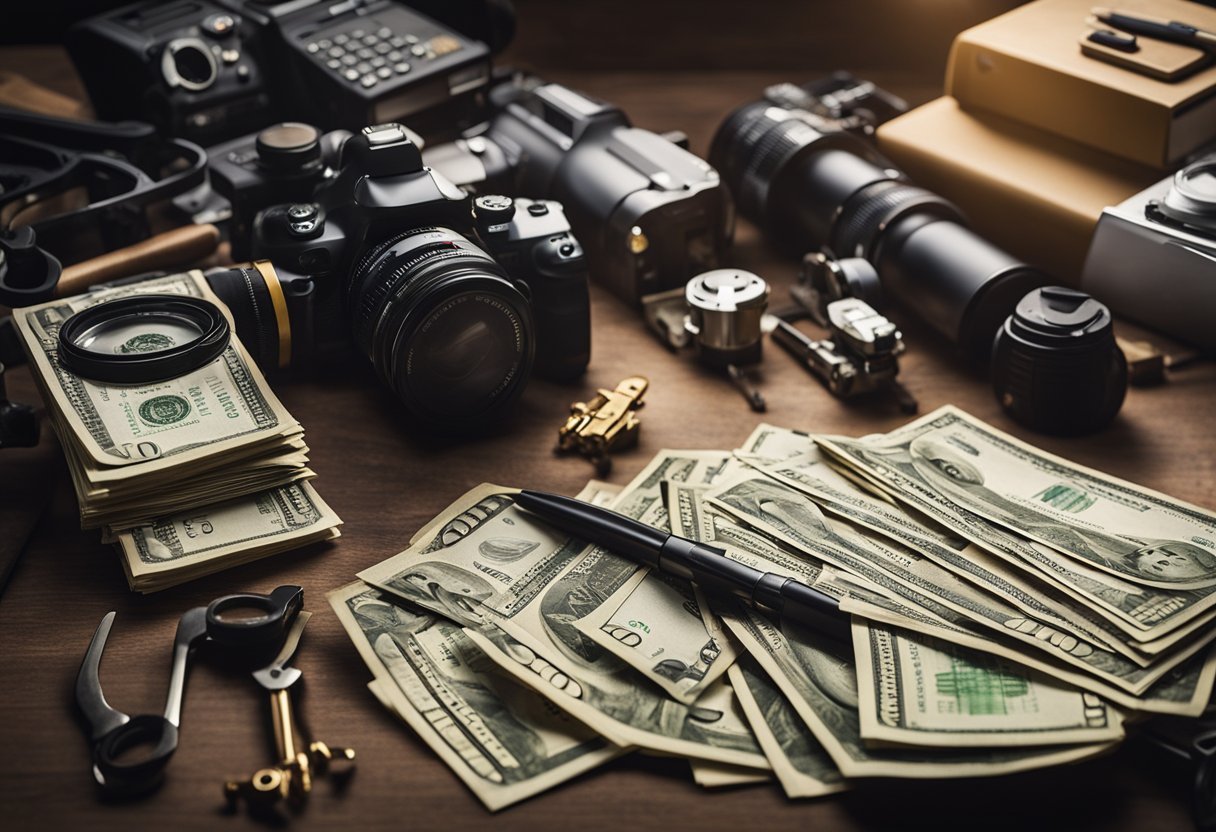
{"x": 493, "y": 213}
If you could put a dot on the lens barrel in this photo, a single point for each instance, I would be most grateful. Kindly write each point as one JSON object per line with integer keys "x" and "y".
{"x": 444, "y": 327}
{"x": 812, "y": 188}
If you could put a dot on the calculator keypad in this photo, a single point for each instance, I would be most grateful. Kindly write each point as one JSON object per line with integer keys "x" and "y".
{"x": 369, "y": 53}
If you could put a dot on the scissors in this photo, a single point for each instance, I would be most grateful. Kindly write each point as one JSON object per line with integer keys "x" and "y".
{"x": 246, "y": 625}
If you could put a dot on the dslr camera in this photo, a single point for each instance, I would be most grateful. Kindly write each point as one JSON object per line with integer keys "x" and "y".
{"x": 650, "y": 214}
{"x": 1153, "y": 256}
{"x": 209, "y": 70}
{"x": 454, "y": 301}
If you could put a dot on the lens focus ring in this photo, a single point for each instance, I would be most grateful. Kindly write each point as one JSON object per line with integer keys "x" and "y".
{"x": 872, "y": 209}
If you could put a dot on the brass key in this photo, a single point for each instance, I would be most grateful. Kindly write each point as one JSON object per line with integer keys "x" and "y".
{"x": 290, "y": 780}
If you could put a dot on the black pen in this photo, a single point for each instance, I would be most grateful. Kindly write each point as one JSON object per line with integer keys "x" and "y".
{"x": 1157, "y": 29}
{"x": 709, "y": 567}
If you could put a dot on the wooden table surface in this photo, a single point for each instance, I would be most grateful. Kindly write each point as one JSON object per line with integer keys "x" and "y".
{"x": 386, "y": 481}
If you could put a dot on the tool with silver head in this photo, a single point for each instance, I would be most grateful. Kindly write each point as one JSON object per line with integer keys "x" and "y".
{"x": 861, "y": 353}
{"x": 720, "y": 314}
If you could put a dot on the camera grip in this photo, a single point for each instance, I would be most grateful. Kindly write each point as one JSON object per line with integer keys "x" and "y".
{"x": 561, "y": 307}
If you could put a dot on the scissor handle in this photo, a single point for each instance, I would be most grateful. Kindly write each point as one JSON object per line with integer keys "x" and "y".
{"x": 253, "y": 624}
{"x": 145, "y": 769}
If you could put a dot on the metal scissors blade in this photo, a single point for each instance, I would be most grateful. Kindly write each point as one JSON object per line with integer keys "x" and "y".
{"x": 102, "y": 718}
{"x": 275, "y": 676}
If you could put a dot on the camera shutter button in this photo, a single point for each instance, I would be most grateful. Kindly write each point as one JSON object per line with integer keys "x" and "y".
{"x": 538, "y": 209}
{"x": 219, "y": 25}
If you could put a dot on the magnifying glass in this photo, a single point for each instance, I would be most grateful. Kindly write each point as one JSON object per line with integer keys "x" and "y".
{"x": 143, "y": 339}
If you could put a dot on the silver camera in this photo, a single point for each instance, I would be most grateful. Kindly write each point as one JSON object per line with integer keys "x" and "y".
{"x": 1153, "y": 256}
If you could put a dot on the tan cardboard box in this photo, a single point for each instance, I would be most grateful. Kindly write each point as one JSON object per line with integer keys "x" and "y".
{"x": 1027, "y": 65}
{"x": 1034, "y": 194}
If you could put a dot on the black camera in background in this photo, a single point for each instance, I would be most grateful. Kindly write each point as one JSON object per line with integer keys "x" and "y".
{"x": 490, "y": 21}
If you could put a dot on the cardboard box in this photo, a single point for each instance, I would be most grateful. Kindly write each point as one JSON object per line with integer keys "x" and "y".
{"x": 1032, "y": 193}
{"x": 1027, "y": 65}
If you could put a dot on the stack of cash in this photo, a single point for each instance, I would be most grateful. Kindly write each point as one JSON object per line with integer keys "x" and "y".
{"x": 1009, "y": 611}
{"x": 187, "y": 476}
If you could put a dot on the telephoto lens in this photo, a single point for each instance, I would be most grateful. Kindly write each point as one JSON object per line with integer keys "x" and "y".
{"x": 810, "y": 186}
{"x": 1055, "y": 365}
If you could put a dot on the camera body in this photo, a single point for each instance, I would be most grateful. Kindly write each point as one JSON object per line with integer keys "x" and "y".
{"x": 283, "y": 162}
{"x": 452, "y": 300}
{"x": 1153, "y": 256}
{"x": 209, "y": 70}
{"x": 650, "y": 214}
{"x": 190, "y": 67}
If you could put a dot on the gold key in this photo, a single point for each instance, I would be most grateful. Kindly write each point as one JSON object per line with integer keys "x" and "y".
{"x": 290, "y": 780}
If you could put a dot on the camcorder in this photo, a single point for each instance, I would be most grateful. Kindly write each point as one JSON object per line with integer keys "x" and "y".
{"x": 650, "y": 214}
{"x": 210, "y": 70}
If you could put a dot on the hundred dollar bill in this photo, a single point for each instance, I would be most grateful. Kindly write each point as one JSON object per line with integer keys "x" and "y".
{"x": 1142, "y": 612}
{"x": 192, "y": 543}
{"x": 771, "y": 443}
{"x": 694, "y": 467}
{"x": 218, "y": 407}
{"x": 653, "y": 622}
{"x": 836, "y": 495}
{"x": 499, "y": 737}
{"x": 819, "y": 678}
{"x": 791, "y": 517}
{"x": 801, "y": 764}
{"x": 900, "y": 606}
{"x": 518, "y": 586}
{"x": 1136, "y": 534}
{"x": 599, "y": 493}
{"x": 915, "y": 690}
{"x": 1182, "y": 691}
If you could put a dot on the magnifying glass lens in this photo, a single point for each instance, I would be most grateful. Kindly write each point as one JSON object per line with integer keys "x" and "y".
{"x": 241, "y": 614}
{"x": 143, "y": 339}
{"x": 138, "y": 333}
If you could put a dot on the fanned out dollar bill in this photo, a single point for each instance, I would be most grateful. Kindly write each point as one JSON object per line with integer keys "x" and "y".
{"x": 501, "y": 739}
{"x": 977, "y": 649}
{"x": 916, "y": 690}
{"x": 189, "y": 475}
{"x": 819, "y": 678}
{"x": 518, "y": 586}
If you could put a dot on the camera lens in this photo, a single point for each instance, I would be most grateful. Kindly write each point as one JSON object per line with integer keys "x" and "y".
{"x": 444, "y": 327}
{"x": 1191, "y": 199}
{"x": 288, "y": 146}
{"x": 812, "y": 187}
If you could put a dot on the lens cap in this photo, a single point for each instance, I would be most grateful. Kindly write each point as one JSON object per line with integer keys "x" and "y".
{"x": 1056, "y": 367}
{"x": 143, "y": 339}
{"x": 288, "y": 146}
